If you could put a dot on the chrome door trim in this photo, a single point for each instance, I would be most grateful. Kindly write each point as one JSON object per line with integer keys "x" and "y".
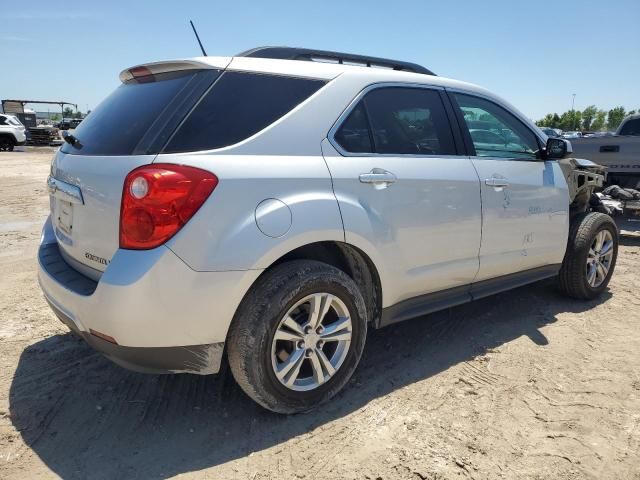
{"x": 64, "y": 191}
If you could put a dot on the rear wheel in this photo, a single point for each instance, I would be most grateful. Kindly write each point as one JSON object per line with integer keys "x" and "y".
{"x": 591, "y": 255}
{"x": 298, "y": 336}
{"x": 6, "y": 144}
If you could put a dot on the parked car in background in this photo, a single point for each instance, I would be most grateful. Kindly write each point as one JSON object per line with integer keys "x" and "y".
{"x": 551, "y": 132}
{"x": 282, "y": 206}
{"x": 12, "y": 132}
{"x": 69, "y": 124}
{"x": 619, "y": 152}
{"x": 572, "y": 134}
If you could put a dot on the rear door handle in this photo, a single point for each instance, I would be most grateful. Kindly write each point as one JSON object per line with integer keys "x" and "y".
{"x": 610, "y": 149}
{"x": 496, "y": 182}
{"x": 379, "y": 177}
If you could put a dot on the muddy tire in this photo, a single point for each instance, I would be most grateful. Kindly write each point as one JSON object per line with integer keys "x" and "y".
{"x": 591, "y": 254}
{"x": 297, "y": 336}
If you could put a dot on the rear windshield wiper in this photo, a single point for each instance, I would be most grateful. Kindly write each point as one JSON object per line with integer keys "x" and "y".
{"x": 71, "y": 139}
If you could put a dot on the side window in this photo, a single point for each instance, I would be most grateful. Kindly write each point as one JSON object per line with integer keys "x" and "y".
{"x": 631, "y": 127}
{"x": 494, "y": 131}
{"x": 3, "y": 120}
{"x": 237, "y": 106}
{"x": 402, "y": 120}
{"x": 354, "y": 134}
{"x": 409, "y": 121}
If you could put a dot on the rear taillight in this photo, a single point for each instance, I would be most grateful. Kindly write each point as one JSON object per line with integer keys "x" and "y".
{"x": 158, "y": 199}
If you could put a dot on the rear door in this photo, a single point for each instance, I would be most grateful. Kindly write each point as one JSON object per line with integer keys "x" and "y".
{"x": 407, "y": 196}
{"x": 525, "y": 201}
{"x": 124, "y": 132}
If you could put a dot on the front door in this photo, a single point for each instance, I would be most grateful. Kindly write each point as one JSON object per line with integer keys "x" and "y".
{"x": 406, "y": 196}
{"x": 525, "y": 200}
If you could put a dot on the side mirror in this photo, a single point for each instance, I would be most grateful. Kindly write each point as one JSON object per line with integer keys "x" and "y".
{"x": 558, "y": 148}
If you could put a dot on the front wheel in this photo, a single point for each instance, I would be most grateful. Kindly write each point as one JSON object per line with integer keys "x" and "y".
{"x": 297, "y": 336}
{"x": 590, "y": 259}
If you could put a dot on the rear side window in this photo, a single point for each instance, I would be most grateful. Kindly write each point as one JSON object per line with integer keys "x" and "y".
{"x": 631, "y": 127}
{"x": 3, "y": 120}
{"x": 139, "y": 115}
{"x": 239, "y": 105}
{"x": 402, "y": 120}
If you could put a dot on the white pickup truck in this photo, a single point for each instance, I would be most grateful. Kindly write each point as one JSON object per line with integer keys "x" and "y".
{"x": 620, "y": 153}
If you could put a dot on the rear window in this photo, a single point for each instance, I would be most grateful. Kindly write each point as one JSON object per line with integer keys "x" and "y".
{"x": 239, "y": 105}
{"x": 139, "y": 116}
{"x": 631, "y": 127}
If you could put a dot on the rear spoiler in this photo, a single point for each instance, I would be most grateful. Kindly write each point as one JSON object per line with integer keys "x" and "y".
{"x": 174, "y": 66}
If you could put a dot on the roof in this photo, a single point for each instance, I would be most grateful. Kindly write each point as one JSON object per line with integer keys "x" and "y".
{"x": 249, "y": 62}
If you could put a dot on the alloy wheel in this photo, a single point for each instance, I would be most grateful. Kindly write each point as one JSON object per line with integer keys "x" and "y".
{"x": 599, "y": 258}
{"x": 311, "y": 342}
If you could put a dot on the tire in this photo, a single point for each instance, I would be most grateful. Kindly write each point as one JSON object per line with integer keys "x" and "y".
{"x": 254, "y": 354}
{"x": 6, "y": 144}
{"x": 582, "y": 247}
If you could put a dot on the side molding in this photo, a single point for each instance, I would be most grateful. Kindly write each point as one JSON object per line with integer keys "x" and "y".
{"x": 433, "y": 302}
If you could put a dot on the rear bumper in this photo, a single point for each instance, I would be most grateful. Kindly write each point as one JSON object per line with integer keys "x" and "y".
{"x": 163, "y": 316}
{"x": 189, "y": 359}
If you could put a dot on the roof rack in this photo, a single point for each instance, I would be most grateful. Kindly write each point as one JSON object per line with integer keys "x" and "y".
{"x": 291, "y": 53}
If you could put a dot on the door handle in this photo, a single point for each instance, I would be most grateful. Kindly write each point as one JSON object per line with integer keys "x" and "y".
{"x": 379, "y": 177}
{"x": 496, "y": 182}
{"x": 610, "y": 149}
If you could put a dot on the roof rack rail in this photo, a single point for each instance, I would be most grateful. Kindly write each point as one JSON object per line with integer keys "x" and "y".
{"x": 291, "y": 53}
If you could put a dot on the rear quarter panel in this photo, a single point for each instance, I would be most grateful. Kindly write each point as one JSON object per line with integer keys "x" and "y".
{"x": 224, "y": 235}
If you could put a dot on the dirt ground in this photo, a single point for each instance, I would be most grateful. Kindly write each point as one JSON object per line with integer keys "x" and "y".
{"x": 525, "y": 384}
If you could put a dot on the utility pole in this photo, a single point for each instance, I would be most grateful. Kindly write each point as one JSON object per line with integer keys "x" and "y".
{"x": 573, "y": 113}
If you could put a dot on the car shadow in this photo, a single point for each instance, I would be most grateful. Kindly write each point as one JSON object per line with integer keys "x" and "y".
{"x": 86, "y": 417}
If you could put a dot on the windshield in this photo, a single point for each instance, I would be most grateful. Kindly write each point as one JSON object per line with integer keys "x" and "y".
{"x": 140, "y": 115}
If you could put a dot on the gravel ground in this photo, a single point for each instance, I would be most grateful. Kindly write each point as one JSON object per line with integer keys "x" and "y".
{"x": 525, "y": 384}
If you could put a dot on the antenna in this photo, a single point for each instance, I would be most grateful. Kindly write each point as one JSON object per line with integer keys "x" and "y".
{"x": 198, "y": 38}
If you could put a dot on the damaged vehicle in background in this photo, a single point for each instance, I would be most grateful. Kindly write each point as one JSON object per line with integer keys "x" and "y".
{"x": 620, "y": 154}
{"x": 271, "y": 208}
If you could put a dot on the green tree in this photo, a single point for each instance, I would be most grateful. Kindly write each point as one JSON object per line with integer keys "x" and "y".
{"x": 67, "y": 112}
{"x": 469, "y": 114}
{"x": 600, "y": 121}
{"x": 588, "y": 116}
{"x": 570, "y": 120}
{"x": 615, "y": 117}
{"x": 547, "y": 121}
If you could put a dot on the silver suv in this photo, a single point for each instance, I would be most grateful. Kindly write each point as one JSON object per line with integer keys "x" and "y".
{"x": 270, "y": 207}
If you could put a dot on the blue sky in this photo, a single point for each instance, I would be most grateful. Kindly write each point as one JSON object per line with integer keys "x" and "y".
{"x": 534, "y": 54}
